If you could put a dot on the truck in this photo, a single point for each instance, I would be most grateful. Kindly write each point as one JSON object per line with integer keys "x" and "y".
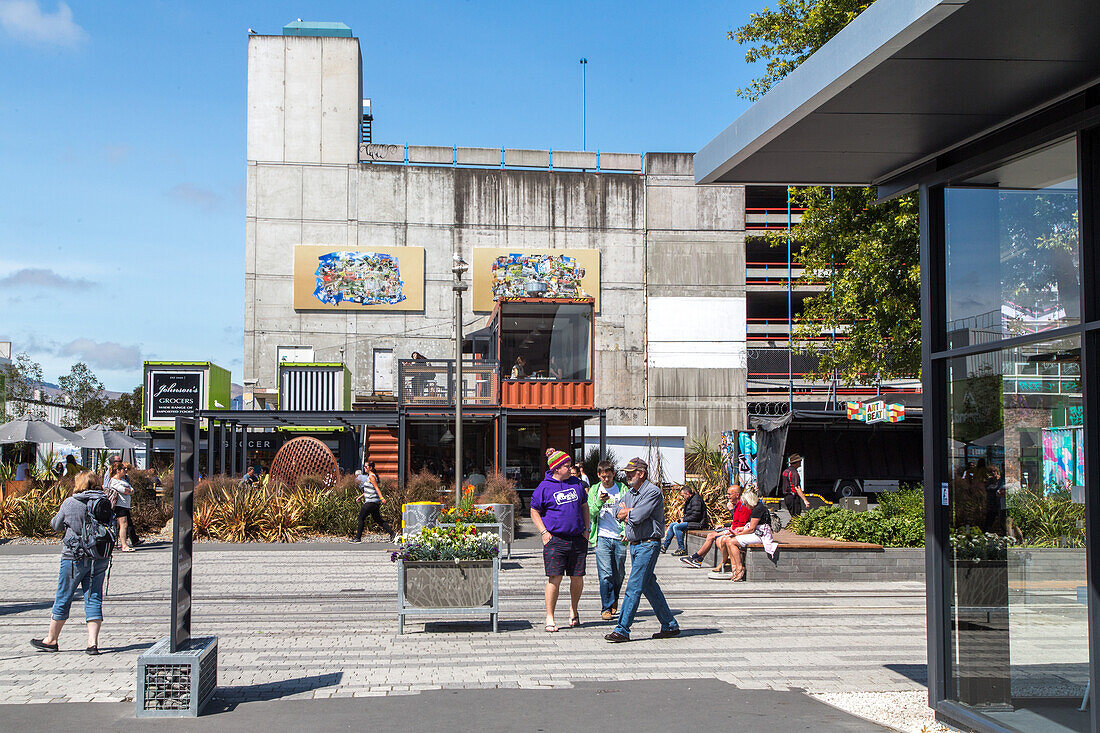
{"x": 841, "y": 457}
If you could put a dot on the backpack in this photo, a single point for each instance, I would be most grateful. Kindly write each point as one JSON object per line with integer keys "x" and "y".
{"x": 98, "y": 535}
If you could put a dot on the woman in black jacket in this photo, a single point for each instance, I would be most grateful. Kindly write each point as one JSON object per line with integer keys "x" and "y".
{"x": 694, "y": 516}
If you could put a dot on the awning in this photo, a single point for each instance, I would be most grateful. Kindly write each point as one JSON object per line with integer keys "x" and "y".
{"x": 904, "y": 82}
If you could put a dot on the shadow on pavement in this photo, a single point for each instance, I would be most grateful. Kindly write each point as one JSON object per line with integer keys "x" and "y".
{"x": 226, "y": 699}
{"x": 13, "y": 608}
{"x": 443, "y": 627}
{"x": 915, "y": 672}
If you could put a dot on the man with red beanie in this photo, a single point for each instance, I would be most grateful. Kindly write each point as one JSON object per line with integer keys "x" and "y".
{"x": 559, "y": 510}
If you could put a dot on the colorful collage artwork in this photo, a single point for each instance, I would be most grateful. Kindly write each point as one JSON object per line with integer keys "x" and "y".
{"x": 363, "y": 278}
{"x": 1063, "y": 458}
{"x": 537, "y": 275}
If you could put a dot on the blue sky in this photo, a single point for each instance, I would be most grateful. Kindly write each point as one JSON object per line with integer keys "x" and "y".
{"x": 122, "y": 140}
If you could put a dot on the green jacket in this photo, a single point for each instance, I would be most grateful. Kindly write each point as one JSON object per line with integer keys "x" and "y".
{"x": 595, "y": 503}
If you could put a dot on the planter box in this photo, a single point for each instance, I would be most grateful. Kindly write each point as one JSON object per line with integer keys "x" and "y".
{"x": 506, "y": 515}
{"x": 420, "y": 514}
{"x": 447, "y": 587}
{"x": 983, "y": 674}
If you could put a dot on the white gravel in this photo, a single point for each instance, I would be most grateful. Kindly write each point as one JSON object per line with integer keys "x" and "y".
{"x": 903, "y": 711}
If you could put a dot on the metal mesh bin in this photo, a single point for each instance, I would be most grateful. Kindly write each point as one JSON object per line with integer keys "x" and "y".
{"x": 177, "y": 684}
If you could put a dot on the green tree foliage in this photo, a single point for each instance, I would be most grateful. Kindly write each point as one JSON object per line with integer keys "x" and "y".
{"x": 788, "y": 35}
{"x": 23, "y": 376}
{"x": 85, "y": 394}
{"x": 869, "y": 254}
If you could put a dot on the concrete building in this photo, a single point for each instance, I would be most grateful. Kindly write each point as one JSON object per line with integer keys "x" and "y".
{"x": 670, "y": 322}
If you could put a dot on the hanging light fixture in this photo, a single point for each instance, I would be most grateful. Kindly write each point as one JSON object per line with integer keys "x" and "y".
{"x": 447, "y": 438}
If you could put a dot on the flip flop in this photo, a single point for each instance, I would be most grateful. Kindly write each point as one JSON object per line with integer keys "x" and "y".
{"x": 551, "y": 629}
{"x": 574, "y": 622}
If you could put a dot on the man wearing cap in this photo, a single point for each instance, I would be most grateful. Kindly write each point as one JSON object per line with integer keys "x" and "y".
{"x": 559, "y": 511}
{"x": 642, "y": 510}
{"x": 790, "y": 486}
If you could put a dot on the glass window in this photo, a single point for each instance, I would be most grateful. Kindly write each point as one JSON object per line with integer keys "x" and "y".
{"x": 1018, "y": 630}
{"x": 551, "y": 341}
{"x": 1013, "y": 258}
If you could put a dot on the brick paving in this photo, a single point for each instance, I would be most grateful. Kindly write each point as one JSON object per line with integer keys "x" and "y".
{"x": 319, "y": 621}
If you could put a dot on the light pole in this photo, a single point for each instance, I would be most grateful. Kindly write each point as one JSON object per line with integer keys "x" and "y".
{"x": 458, "y": 286}
{"x": 584, "y": 100}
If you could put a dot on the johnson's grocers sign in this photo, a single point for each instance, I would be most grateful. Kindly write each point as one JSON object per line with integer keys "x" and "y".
{"x": 174, "y": 394}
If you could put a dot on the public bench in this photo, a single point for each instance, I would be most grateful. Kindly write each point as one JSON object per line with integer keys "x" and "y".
{"x": 821, "y": 558}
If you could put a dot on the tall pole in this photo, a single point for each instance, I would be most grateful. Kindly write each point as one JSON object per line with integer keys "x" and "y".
{"x": 458, "y": 269}
{"x": 790, "y": 312}
{"x": 584, "y": 104}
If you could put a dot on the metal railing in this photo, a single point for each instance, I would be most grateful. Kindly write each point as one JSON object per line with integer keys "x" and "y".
{"x": 771, "y": 218}
{"x": 431, "y": 382}
{"x": 500, "y": 158}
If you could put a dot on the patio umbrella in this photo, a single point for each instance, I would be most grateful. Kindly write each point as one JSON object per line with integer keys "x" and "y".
{"x": 36, "y": 430}
{"x": 128, "y": 454}
{"x": 101, "y": 437}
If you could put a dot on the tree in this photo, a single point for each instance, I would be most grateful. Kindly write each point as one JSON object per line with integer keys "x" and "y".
{"x": 85, "y": 393}
{"x": 869, "y": 255}
{"x": 788, "y": 36}
{"x": 125, "y": 410}
{"x": 23, "y": 376}
{"x": 869, "y": 252}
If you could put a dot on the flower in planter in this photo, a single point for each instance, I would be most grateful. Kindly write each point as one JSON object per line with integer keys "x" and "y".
{"x": 970, "y": 543}
{"x": 449, "y": 542}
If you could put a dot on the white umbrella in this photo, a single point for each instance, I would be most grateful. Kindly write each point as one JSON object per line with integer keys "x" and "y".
{"x": 101, "y": 437}
{"x": 36, "y": 430}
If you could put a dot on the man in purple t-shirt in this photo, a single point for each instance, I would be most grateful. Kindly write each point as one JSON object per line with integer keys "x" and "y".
{"x": 559, "y": 510}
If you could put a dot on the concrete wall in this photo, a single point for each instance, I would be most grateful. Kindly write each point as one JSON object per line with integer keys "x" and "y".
{"x": 662, "y": 241}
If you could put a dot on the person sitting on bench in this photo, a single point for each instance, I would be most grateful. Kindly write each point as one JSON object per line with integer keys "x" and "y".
{"x": 739, "y": 516}
{"x": 757, "y": 532}
{"x": 693, "y": 515}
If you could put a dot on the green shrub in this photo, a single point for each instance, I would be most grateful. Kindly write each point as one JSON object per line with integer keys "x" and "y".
{"x": 1047, "y": 521}
{"x": 899, "y": 525}
{"x": 329, "y": 513}
{"x": 907, "y": 502}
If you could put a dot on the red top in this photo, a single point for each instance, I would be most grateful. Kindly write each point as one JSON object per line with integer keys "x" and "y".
{"x": 740, "y": 515}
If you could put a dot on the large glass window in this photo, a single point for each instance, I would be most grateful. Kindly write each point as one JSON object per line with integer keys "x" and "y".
{"x": 546, "y": 341}
{"x": 1013, "y": 254}
{"x": 1018, "y": 626}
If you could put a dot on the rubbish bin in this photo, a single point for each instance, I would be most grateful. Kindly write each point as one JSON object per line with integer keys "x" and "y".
{"x": 854, "y": 503}
{"x": 419, "y": 514}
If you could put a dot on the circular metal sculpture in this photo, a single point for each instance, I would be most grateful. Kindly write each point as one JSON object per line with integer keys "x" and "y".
{"x": 303, "y": 457}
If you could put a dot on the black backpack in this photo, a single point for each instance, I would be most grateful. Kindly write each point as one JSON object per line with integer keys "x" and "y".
{"x": 98, "y": 535}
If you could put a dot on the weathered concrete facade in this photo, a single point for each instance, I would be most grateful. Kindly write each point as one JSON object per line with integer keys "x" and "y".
{"x": 669, "y": 349}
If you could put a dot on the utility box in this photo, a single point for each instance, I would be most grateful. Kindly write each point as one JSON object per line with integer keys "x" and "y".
{"x": 854, "y": 503}
{"x": 314, "y": 386}
{"x": 172, "y": 389}
{"x": 177, "y": 684}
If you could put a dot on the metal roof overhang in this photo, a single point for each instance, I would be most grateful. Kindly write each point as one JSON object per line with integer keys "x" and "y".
{"x": 304, "y": 418}
{"x": 903, "y": 83}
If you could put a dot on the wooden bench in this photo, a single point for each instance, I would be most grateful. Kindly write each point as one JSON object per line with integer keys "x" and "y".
{"x": 821, "y": 558}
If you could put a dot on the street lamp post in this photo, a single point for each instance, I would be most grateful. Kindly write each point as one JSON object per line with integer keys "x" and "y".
{"x": 458, "y": 286}
{"x": 584, "y": 104}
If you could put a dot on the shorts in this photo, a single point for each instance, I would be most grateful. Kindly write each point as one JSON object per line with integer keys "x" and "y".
{"x": 749, "y": 539}
{"x": 565, "y": 556}
{"x": 122, "y": 511}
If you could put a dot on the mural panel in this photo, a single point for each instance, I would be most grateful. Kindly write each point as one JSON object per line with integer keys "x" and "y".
{"x": 375, "y": 278}
{"x": 525, "y": 272}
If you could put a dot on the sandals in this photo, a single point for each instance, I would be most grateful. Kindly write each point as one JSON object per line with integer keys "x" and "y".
{"x": 551, "y": 629}
{"x": 738, "y": 575}
{"x": 575, "y": 622}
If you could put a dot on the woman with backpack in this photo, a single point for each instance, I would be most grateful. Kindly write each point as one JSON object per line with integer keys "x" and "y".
{"x": 86, "y": 549}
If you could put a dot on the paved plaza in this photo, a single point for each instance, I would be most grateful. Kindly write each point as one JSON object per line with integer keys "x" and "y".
{"x": 318, "y": 620}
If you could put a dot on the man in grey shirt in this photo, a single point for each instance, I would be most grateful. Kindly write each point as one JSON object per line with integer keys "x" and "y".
{"x": 642, "y": 509}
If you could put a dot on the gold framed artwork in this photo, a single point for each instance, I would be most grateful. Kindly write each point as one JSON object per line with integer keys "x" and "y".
{"x": 531, "y": 272}
{"x": 364, "y": 278}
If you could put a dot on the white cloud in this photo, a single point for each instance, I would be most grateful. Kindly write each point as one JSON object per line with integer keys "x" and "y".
{"x": 25, "y": 21}
{"x": 103, "y": 354}
{"x": 189, "y": 193}
{"x": 40, "y": 277}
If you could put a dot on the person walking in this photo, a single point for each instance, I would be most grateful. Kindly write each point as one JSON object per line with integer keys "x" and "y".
{"x": 559, "y": 511}
{"x": 122, "y": 495}
{"x": 642, "y": 509}
{"x": 372, "y": 499}
{"x": 790, "y": 486}
{"x": 607, "y": 535}
{"x": 693, "y": 516}
{"x": 83, "y": 566}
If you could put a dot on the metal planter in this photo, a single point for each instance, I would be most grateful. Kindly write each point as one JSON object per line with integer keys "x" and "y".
{"x": 506, "y": 516}
{"x": 447, "y": 588}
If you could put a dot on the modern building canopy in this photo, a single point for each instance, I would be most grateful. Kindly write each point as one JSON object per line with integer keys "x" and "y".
{"x": 905, "y": 82}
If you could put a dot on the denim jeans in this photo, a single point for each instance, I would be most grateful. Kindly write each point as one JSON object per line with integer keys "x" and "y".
{"x": 77, "y": 574}
{"x": 643, "y": 581}
{"x": 611, "y": 567}
{"x": 676, "y": 529}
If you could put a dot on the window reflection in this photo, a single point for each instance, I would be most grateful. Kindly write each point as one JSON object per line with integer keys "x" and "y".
{"x": 1013, "y": 257}
{"x": 546, "y": 341}
{"x": 1016, "y": 465}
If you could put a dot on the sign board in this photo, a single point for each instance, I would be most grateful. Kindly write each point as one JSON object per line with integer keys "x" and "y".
{"x": 875, "y": 412}
{"x": 328, "y": 278}
{"x": 180, "y": 389}
{"x": 294, "y": 354}
{"x": 185, "y": 471}
{"x": 530, "y": 272}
